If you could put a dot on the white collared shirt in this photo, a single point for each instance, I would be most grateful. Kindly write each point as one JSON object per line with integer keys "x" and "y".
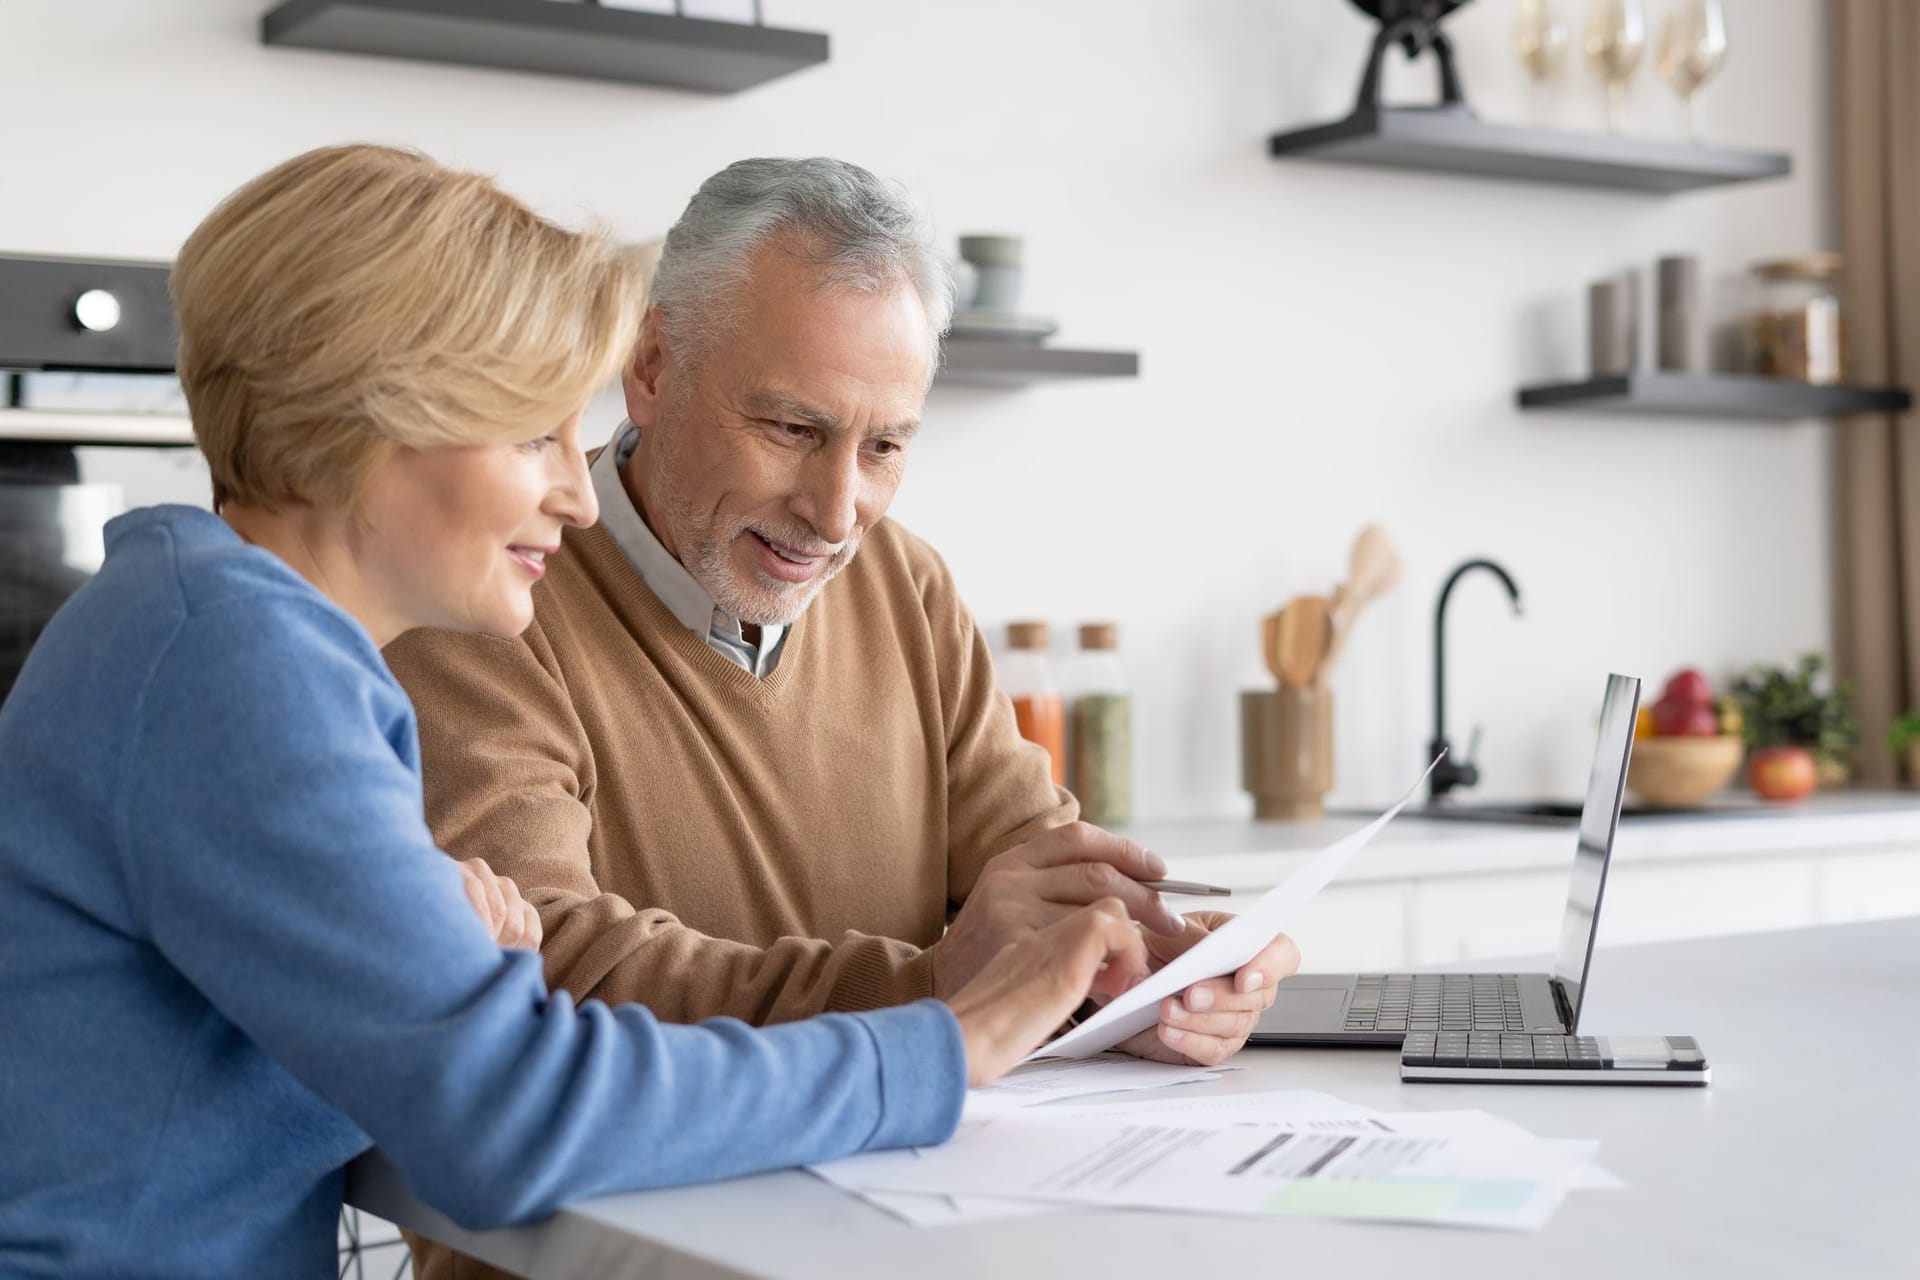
{"x": 665, "y": 576}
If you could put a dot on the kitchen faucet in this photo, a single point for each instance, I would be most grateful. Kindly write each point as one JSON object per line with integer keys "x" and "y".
{"x": 1447, "y": 774}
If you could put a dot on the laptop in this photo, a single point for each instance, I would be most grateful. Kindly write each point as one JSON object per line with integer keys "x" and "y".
{"x": 1381, "y": 1008}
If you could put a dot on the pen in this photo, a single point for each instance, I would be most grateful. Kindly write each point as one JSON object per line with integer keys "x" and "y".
{"x": 1189, "y": 888}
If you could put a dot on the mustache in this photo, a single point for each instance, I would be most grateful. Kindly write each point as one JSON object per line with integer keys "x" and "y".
{"x": 804, "y": 543}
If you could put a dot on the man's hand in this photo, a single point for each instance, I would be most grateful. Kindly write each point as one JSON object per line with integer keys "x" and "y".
{"x": 1209, "y": 1022}
{"x": 509, "y": 917}
{"x": 1033, "y": 885}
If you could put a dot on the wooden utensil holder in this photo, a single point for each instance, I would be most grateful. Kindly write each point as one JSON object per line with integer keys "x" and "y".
{"x": 1286, "y": 750}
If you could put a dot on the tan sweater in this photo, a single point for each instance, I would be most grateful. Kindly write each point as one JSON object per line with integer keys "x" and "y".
{"x": 706, "y": 842}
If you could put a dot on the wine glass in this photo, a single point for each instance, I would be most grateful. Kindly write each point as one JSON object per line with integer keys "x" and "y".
{"x": 1616, "y": 37}
{"x": 1539, "y": 41}
{"x": 1693, "y": 44}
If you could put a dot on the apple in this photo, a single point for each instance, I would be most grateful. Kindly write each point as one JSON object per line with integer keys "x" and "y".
{"x": 1782, "y": 773}
{"x": 1676, "y": 718}
{"x": 1689, "y": 687}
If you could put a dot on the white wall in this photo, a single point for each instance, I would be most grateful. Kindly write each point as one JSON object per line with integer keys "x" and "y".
{"x": 1320, "y": 346}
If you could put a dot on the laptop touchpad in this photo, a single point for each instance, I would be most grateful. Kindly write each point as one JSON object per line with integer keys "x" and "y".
{"x": 1306, "y": 1007}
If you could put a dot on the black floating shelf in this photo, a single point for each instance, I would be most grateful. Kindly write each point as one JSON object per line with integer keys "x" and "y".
{"x": 1718, "y": 395}
{"x": 551, "y": 36}
{"x": 1441, "y": 140}
{"x": 985, "y": 362}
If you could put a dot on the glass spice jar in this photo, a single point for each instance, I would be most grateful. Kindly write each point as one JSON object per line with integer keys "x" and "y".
{"x": 1038, "y": 708}
{"x": 1100, "y": 728}
{"x": 1797, "y": 330}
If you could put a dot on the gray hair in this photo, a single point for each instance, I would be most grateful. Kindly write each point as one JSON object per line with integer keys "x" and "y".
{"x": 864, "y": 232}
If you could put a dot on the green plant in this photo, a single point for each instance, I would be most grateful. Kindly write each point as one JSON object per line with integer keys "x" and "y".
{"x": 1903, "y": 731}
{"x": 1784, "y": 708}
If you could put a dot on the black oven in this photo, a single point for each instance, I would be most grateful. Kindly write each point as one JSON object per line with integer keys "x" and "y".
{"x": 86, "y": 359}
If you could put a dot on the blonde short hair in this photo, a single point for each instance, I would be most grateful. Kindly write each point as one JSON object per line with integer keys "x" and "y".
{"x": 360, "y": 298}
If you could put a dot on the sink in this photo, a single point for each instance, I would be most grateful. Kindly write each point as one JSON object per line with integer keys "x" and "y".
{"x": 1540, "y": 813}
{"x": 1559, "y": 813}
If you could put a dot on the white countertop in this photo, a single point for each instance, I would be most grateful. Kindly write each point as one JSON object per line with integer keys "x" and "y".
{"x": 1795, "y": 1162}
{"x": 1243, "y": 854}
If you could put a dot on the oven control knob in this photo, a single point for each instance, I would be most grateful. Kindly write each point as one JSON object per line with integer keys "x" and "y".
{"x": 97, "y": 311}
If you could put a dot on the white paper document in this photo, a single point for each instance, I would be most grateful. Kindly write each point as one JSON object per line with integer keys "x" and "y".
{"x": 1222, "y": 951}
{"x": 1411, "y": 1167}
{"x": 1460, "y": 1168}
{"x": 1319, "y": 1112}
{"x": 1272, "y": 1107}
{"x": 951, "y": 1211}
{"x": 1033, "y": 1083}
{"x": 925, "y": 1208}
{"x": 1029, "y": 1085}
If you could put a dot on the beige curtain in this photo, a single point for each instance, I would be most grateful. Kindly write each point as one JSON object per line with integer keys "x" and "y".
{"x": 1876, "y": 85}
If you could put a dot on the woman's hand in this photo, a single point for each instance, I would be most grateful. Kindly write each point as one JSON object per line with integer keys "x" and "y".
{"x": 1022, "y": 995}
{"x": 509, "y": 917}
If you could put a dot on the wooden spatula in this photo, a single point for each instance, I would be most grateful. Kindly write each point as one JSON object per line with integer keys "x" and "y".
{"x": 1303, "y": 634}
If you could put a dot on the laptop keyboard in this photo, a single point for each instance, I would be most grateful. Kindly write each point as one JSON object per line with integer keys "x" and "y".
{"x": 1435, "y": 1002}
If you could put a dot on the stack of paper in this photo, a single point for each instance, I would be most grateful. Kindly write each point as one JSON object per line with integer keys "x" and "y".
{"x": 1292, "y": 1153}
{"x": 1033, "y": 1083}
{"x": 1025, "y": 1086}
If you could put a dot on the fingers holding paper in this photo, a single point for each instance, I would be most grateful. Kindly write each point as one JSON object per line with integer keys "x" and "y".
{"x": 1215, "y": 944}
{"x": 1029, "y": 988}
{"x": 1210, "y": 1021}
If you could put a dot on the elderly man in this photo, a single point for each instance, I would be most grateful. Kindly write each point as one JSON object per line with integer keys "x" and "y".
{"x": 740, "y": 769}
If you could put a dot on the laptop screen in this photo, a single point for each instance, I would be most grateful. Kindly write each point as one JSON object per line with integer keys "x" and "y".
{"x": 1599, "y": 819}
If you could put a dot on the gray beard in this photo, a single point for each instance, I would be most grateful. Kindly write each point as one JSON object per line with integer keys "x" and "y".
{"x": 710, "y": 561}
{"x": 708, "y": 556}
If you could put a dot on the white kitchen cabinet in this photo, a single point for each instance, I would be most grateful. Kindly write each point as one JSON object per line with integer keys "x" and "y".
{"x": 1659, "y": 902}
{"x": 1431, "y": 893}
{"x": 1873, "y": 885}
{"x": 1347, "y": 927}
{"x": 1475, "y": 916}
{"x": 1356, "y": 926}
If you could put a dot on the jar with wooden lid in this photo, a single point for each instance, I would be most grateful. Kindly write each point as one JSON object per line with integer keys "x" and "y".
{"x": 1797, "y": 330}
{"x": 1038, "y": 707}
{"x": 1100, "y": 728}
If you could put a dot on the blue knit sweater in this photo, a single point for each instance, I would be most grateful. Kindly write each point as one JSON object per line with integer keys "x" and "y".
{"x": 231, "y": 959}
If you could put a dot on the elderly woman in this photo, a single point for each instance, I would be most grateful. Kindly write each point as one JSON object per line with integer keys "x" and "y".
{"x": 232, "y": 958}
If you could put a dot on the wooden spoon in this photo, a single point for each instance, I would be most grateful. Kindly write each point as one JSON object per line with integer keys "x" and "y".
{"x": 1375, "y": 566}
{"x": 1373, "y": 571}
{"x": 1304, "y": 632}
{"x": 1270, "y": 643}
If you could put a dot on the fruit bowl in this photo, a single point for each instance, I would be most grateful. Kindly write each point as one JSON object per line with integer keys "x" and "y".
{"x": 1675, "y": 772}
